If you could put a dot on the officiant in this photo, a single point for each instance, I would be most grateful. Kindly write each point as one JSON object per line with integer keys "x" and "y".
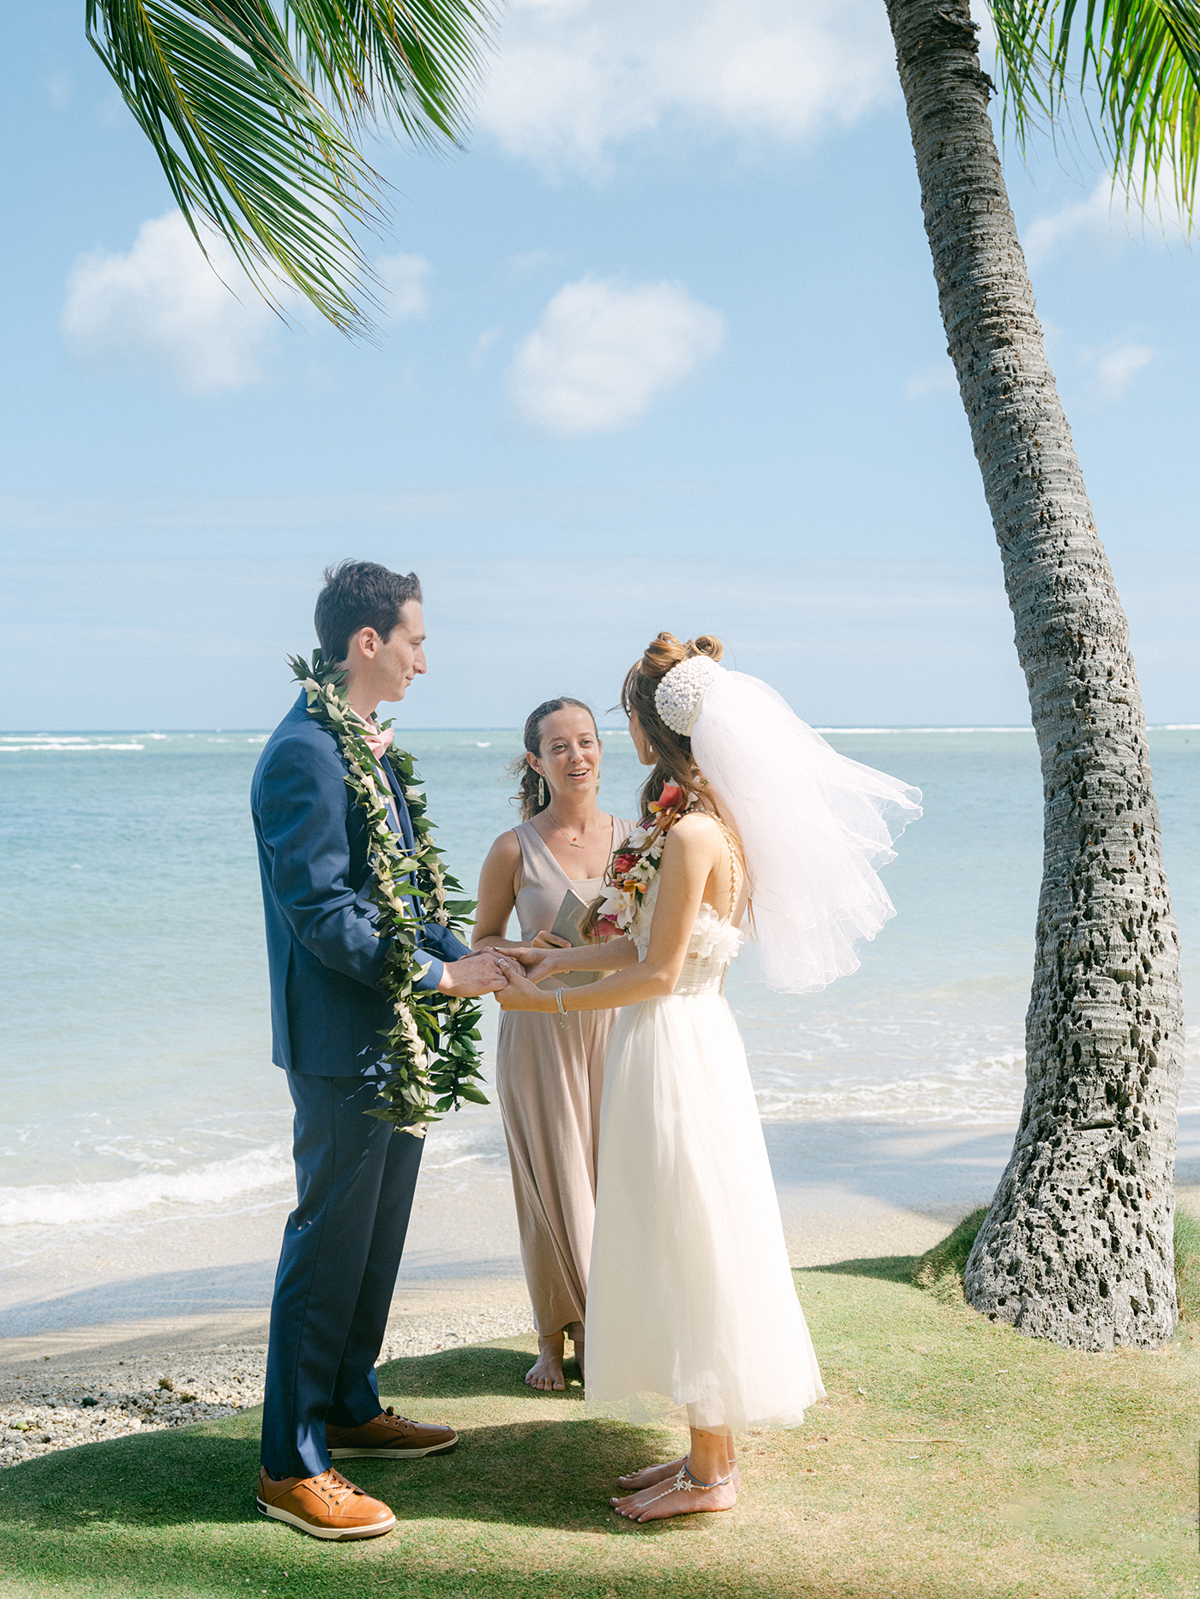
{"x": 550, "y": 1069}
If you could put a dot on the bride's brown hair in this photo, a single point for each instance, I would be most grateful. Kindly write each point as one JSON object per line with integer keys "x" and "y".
{"x": 674, "y": 751}
{"x": 674, "y": 763}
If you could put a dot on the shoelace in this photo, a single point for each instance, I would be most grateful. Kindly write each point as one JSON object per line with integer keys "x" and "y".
{"x": 407, "y": 1421}
{"x": 334, "y": 1487}
{"x": 396, "y": 1421}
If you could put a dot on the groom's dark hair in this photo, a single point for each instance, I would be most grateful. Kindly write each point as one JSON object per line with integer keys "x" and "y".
{"x": 360, "y": 594}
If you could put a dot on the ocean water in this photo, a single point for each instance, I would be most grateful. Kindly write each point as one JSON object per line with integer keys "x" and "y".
{"x": 136, "y": 1076}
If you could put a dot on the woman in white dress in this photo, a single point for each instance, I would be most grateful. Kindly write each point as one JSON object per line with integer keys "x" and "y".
{"x": 691, "y": 1304}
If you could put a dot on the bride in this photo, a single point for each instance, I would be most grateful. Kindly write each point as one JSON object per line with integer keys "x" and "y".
{"x": 691, "y": 1303}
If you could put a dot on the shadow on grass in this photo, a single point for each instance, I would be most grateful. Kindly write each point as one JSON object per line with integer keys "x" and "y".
{"x": 485, "y": 1370}
{"x": 886, "y": 1268}
{"x": 557, "y": 1472}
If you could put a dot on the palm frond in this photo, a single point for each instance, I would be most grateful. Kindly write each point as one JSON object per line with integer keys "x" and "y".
{"x": 1135, "y": 65}
{"x": 229, "y": 93}
{"x": 412, "y": 64}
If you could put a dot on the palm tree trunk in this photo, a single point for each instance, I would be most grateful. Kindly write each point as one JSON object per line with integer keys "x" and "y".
{"x": 1077, "y": 1245}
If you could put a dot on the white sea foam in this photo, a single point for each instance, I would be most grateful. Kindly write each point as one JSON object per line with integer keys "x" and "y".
{"x": 70, "y": 1204}
{"x": 969, "y": 1095}
{"x": 72, "y": 745}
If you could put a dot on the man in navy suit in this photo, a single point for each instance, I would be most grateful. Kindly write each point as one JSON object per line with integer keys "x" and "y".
{"x": 355, "y": 1175}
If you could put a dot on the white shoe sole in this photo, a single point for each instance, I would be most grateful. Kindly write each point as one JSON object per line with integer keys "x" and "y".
{"x": 330, "y": 1534}
{"x": 394, "y": 1454}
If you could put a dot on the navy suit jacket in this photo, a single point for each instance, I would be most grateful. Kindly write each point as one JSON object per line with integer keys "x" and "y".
{"x": 328, "y": 1011}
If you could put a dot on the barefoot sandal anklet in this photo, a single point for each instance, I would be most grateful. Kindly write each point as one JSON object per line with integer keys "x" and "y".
{"x": 684, "y": 1483}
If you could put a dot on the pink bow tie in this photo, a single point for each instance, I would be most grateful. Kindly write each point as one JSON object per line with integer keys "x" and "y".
{"x": 378, "y": 741}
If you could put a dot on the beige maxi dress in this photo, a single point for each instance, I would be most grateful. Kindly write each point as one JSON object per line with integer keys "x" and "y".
{"x": 549, "y": 1078}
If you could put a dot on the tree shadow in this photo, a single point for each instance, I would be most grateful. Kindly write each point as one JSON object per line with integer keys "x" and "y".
{"x": 556, "y": 1472}
{"x": 495, "y": 1368}
{"x": 886, "y": 1268}
{"x": 155, "y": 1479}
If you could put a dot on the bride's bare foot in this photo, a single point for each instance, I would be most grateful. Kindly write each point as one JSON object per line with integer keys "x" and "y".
{"x": 660, "y": 1500}
{"x": 546, "y": 1374}
{"x": 634, "y": 1481}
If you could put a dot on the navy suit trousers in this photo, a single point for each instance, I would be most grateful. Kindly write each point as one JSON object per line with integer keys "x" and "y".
{"x": 342, "y": 1244}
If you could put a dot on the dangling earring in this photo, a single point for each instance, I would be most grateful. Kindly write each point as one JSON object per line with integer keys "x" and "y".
{"x": 541, "y": 793}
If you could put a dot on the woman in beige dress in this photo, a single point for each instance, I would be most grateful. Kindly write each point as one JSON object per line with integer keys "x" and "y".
{"x": 550, "y": 1070}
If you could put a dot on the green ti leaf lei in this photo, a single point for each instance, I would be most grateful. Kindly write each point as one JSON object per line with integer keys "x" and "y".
{"x": 432, "y": 1050}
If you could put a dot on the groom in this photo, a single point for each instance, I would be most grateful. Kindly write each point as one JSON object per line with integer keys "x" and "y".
{"x": 354, "y": 1174}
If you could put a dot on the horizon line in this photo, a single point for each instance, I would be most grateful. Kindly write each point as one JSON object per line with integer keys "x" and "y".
{"x": 477, "y": 727}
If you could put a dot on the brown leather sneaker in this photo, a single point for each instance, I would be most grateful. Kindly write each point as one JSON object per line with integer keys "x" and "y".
{"x": 389, "y": 1437}
{"x": 324, "y": 1507}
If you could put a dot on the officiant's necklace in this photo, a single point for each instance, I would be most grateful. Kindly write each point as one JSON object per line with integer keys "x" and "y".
{"x": 575, "y": 843}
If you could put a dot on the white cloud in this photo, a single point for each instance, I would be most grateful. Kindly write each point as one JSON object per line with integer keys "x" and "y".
{"x": 60, "y": 90}
{"x": 403, "y": 278}
{"x": 162, "y": 305}
{"x": 483, "y": 344}
{"x": 526, "y": 262}
{"x": 1104, "y": 216}
{"x": 1118, "y": 365}
{"x": 575, "y": 77}
{"x": 603, "y": 353}
{"x": 935, "y": 379}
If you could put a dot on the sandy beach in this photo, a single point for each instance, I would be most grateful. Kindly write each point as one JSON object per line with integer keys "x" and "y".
{"x": 164, "y": 1323}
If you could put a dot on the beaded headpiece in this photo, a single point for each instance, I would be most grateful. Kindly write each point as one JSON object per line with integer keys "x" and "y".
{"x": 680, "y": 693}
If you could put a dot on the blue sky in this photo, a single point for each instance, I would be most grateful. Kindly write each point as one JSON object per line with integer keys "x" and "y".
{"x": 662, "y": 351}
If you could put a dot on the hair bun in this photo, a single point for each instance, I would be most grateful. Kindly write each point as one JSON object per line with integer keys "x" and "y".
{"x": 668, "y": 651}
{"x": 706, "y": 645}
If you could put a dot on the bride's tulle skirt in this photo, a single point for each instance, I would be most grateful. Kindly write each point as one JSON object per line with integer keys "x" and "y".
{"x": 690, "y": 1300}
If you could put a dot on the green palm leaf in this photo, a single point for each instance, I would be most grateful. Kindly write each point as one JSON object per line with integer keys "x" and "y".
{"x": 254, "y": 113}
{"x": 1136, "y": 65}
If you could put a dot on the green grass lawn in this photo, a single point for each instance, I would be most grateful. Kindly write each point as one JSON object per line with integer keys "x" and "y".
{"x": 952, "y": 1457}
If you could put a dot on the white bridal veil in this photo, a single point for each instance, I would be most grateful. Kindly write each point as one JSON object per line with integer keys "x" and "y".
{"x": 815, "y": 825}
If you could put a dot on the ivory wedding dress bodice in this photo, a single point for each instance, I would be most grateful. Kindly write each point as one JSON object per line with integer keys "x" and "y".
{"x": 712, "y": 948}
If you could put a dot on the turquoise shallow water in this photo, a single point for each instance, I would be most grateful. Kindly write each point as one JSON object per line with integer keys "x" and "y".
{"x": 136, "y": 1048}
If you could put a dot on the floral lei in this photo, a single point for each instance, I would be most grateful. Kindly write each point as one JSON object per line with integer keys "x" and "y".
{"x": 635, "y": 868}
{"x": 432, "y": 1049}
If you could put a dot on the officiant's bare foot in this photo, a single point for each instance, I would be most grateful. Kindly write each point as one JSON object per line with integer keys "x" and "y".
{"x": 634, "y": 1481}
{"x": 660, "y": 1500}
{"x": 546, "y": 1374}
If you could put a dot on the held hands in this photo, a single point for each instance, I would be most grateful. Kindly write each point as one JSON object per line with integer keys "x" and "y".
{"x": 521, "y": 994}
{"x": 546, "y": 956}
{"x": 499, "y": 971}
{"x": 542, "y": 957}
{"x": 550, "y": 965}
{"x": 473, "y": 975}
